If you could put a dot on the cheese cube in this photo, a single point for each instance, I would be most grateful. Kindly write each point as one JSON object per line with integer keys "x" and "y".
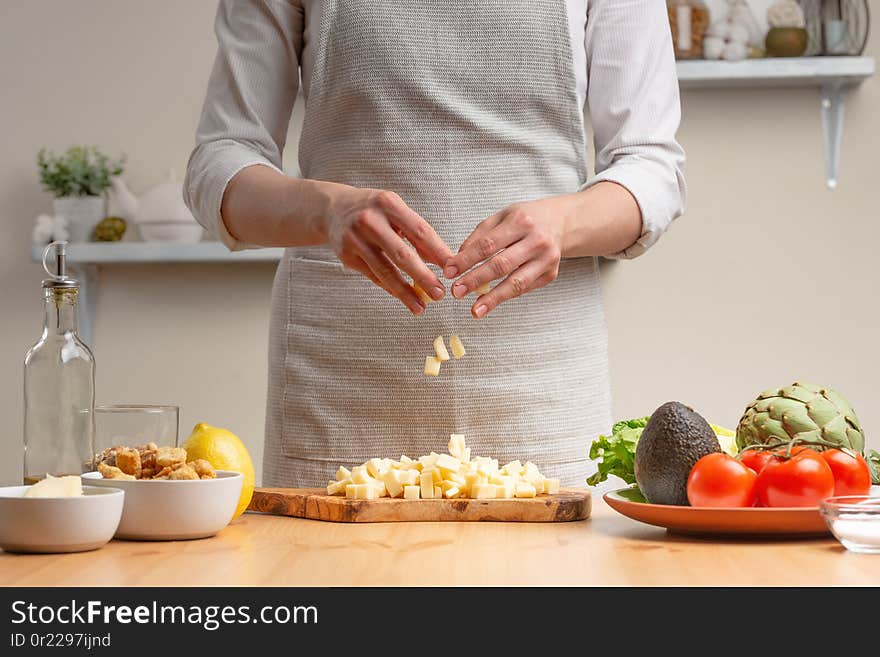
{"x": 551, "y": 486}
{"x": 484, "y": 289}
{"x": 337, "y": 487}
{"x": 448, "y": 462}
{"x": 428, "y": 461}
{"x": 359, "y": 475}
{"x": 405, "y": 460}
{"x": 440, "y": 349}
{"x": 438, "y": 492}
{"x": 426, "y": 483}
{"x": 506, "y": 490}
{"x": 451, "y": 492}
{"x": 513, "y": 468}
{"x": 361, "y": 492}
{"x": 376, "y": 468}
{"x": 484, "y": 492}
{"x": 525, "y": 490}
{"x": 408, "y": 477}
{"x": 456, "y": 346}
{"x": 411, "y": 492}
{"x": 379, "y": 487}
{"x": 421, "y": 294}
{"x": 432, "y": 366}
{"x": 392, "y": 484}
{"x": 343, "y": 473}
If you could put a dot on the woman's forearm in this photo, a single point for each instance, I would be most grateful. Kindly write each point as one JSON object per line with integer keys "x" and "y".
{"x": 602, "y": 220}
{"x": 266, "y": 208}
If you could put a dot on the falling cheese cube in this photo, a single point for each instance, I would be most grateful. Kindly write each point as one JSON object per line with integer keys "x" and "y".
{"x": 525, "y": 490}
{"x": 440, "y": 349}
{"x": 456, "y": 346}
{"x": 411, "y": 492}
{"x": 426, "y": 484}
{"x": 421, "y": 294}
{"x": 432, "y": 366}
{"x": 392, "y": 483}
{"x": 551, "y": 486}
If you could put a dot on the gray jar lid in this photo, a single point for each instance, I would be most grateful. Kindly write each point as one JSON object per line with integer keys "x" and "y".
{"x": 59, "y": 278}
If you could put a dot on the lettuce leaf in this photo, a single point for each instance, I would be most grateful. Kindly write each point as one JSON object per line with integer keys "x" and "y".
{"x": 617, "y": 452}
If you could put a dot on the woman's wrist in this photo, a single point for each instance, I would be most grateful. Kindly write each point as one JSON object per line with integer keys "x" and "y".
{"x": 601, "y": 220}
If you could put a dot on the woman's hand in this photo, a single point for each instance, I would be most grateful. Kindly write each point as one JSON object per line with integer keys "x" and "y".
{"x": 366, "y": 228}
{"x": 522, "y": 244}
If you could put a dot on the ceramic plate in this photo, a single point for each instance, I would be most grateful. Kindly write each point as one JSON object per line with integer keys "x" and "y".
{"x": 747, "y": 522}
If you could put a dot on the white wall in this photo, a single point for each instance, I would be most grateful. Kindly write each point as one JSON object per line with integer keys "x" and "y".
{"x": 768, "y": 278}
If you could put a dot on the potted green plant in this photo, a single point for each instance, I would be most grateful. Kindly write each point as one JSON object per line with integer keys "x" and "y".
{"x": 78, "y": 178}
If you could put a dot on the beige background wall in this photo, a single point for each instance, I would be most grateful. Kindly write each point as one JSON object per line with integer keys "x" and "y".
{"x": 768, "y": 278}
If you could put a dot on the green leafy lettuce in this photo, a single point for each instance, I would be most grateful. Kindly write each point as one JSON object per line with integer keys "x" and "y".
{"x": 617, "y": 452}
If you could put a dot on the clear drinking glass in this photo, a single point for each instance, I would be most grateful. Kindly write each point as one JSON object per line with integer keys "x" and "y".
{"x": 135, "y": 424}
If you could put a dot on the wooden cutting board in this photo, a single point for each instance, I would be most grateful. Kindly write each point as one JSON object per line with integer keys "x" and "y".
{"x": 315, "y": 504}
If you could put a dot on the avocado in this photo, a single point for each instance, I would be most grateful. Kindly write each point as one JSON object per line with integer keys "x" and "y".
{"x": 674, "y": 439}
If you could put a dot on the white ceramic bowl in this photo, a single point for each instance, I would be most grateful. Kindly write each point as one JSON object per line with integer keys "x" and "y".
{"x": 171, "y": 231}
{"x": 58, "y": 524}
{"x": 170, "y": 510}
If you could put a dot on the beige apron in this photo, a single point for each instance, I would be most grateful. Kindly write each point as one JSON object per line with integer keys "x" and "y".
{"x": 462, "y": 108}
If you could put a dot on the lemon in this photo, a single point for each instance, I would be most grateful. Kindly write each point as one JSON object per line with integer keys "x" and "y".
{"x": 225, "y": 451}
{"x": 726, "y": 438}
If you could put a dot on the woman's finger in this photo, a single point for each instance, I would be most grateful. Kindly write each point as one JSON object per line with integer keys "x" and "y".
{"x": 415, "y": 228}
{"x": 482, "y": 228}
{"x": 387, "y": 273}
{"x": 379, "y": 232}
{"x": 532, "y": 275}
{"x": 498, "y": 266}
{"x": 357, "y": 264}
{"x": 484, "y": 247}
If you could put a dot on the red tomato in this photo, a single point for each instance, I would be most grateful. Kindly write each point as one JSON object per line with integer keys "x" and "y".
{"x": 851, "y": 473}
{"x": 719, "y": 480}
{"x": 803, "y": 480}
{"x": 755, "y": 459}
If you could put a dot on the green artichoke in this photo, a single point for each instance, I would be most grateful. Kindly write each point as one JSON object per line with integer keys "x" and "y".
{"x": 800, "y": 411}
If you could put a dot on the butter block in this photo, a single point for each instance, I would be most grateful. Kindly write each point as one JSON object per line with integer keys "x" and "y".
{"x": 411, "y": 492}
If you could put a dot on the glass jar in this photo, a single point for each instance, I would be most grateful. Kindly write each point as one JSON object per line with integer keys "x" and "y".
{"x": 689, "y": 21}
{"x": 59, "y": 385}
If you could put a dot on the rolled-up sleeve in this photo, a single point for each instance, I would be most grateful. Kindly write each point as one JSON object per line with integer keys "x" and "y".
{"x": 633, "y": 100}
{"x": 248, "y": 104}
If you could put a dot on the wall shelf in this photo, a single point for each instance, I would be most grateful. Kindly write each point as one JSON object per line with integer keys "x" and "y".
{"x": 85, "y": 260}
{"x": 834, "y": 77}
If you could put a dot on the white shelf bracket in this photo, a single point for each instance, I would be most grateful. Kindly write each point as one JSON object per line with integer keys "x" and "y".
{"x": 832, "y": 109}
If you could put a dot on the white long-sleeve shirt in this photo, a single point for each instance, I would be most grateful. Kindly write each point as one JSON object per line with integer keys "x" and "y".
{"x": 623, "y": 70}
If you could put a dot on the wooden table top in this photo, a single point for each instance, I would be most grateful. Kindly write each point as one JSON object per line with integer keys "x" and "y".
{"x": 609, "y": 549}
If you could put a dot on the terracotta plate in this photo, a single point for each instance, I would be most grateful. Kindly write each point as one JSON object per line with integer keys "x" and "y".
{"x": 689, "y": 520}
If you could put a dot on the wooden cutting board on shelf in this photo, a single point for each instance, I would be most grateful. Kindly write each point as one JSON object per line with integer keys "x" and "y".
{"x": 315, "y": 504}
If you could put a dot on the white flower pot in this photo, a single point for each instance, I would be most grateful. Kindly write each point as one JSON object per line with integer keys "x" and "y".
{"x": 82, "y": 213}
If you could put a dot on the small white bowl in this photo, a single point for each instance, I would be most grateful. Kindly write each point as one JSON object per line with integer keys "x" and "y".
{"x": 170, "y": 509}
{"x": 58, "y": 524}
{"x": 171, "y": 231}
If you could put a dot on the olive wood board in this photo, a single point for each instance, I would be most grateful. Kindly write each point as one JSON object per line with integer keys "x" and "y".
{"x": 314, "y": 503}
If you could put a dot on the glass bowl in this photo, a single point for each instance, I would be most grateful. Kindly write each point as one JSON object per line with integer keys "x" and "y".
{"x": 855, "y": 521}
{"x": 135, "y": 424}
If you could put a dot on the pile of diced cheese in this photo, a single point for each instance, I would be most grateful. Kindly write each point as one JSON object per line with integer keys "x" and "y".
{"x": 437, "y": 476}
